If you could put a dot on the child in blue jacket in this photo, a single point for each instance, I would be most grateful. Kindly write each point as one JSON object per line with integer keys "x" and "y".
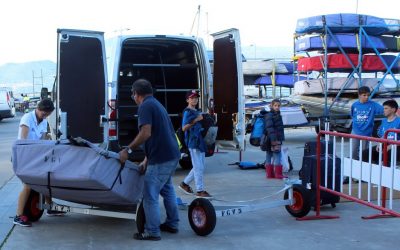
{"x": 275, "y": 133}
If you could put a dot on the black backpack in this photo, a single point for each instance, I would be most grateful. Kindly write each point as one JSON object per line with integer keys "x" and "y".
{"x": 207, "y": 122}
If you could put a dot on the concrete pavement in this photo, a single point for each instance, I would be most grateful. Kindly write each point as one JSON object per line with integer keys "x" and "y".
{"x": 264, "y": 229}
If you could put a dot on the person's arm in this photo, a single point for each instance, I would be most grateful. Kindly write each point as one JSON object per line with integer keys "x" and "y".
{"x": 189, "y": 125}
{"x": 142, "y": 136}
{"x": 143, "y": 166}
{"x": 24, "y": 132}
{"x": 190, "y": 117}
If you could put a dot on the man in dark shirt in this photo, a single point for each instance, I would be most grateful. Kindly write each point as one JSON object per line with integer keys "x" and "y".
{"x": 162, "y": 156}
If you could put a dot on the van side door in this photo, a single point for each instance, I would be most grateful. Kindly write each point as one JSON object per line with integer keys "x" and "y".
{"x": 228, "y": 90}
{"x": 81, "y": 87}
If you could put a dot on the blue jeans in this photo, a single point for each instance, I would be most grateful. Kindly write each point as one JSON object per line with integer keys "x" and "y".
{"x": 157, "y": 181}
{"x": 197, "y": 172}
{"x": 275, "y": 156}
{"x": 356, "y": 147}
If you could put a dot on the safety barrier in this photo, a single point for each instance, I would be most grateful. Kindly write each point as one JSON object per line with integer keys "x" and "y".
{"x": 381, "y": 175}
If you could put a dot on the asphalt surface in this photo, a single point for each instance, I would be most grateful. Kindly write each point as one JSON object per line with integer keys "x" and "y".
{"x": 271, "y": 228}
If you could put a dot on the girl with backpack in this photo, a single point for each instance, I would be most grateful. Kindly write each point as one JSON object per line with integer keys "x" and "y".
{"x": 194, "y": 140}
{"x": 274, "y": 131}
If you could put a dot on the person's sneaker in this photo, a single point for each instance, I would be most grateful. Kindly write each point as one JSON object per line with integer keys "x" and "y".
{"x": 203, "y": 194}
{"x": 185, "y": 188}
{"x": 145, "y": 236}
{"x": 22, "y": 220}
{"x": 51, "y": 213}
{"x": 165, "y": 228}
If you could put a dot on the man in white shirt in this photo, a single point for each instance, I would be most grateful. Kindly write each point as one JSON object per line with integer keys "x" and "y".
{"x": 33, "y": 126}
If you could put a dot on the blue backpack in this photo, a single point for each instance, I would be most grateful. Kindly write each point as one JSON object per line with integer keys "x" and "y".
{"x": 257, "y": 130}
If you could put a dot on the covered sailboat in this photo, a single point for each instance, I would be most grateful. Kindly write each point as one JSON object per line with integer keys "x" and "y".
{"x": 79, "y": 172}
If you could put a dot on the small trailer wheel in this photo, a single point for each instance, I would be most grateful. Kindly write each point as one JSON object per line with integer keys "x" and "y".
{"x": 31, "y": 209}
{"x": 140, "y": 218}
{"x": 302, "y": 201}
{"x": 202, "y": 217}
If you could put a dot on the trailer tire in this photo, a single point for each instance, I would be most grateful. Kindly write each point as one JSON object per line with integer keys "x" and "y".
{"x": 140, "y": 218}
{"x": 31, "y": 209}
{"x": 302, "y": 201}
{"x": 202, "y": 217}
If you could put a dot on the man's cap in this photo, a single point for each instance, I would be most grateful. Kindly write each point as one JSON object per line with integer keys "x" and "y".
{"x": 192, "y": 93}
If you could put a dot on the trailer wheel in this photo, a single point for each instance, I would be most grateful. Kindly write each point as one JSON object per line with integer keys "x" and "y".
{"x": 140, "y": 218}
{"x": 302, "y": 201}
{"x": 31, "y": 209}
{"x": 202, "y": 216}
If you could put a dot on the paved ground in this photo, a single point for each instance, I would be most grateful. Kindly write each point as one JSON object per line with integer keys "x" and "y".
{"x": 270, "y": 228}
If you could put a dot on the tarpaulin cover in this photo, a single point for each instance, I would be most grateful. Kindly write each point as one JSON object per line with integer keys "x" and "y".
{"x": 83, "y": 174}
{"x": 347, "y": 23}
{"x": 336, "y": 84}
{"x": 280, "y": 80}
{"x": 339, "y": 63}
{"x": 348, "y": 42}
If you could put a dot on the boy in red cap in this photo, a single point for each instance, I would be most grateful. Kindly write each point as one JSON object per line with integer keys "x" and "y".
{"x": 195, "y": 142}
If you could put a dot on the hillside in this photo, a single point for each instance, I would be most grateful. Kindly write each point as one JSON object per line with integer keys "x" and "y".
{"x": 19, "y": 76}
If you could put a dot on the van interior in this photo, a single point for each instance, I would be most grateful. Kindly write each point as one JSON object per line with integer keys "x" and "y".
{"x": 171, "y": 65}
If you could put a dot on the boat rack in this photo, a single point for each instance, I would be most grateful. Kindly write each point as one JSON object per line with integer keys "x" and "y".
{"x": 328, "y": 35}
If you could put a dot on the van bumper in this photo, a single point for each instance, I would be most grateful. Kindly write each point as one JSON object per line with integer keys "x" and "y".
{"x": 6, "y": 113}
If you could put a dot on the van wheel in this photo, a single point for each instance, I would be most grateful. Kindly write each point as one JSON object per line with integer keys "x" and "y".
{"x": 140, "y": 218}
{"x": 186, "y": 163}
{"x": 31, "y": 209}
{"x": 202, "y": 217}
{"x": 302, "y": 201}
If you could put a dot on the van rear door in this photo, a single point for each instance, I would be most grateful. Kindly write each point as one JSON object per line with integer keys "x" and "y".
{"x": 228, "y": 90}
{"x": 81, "y": 88}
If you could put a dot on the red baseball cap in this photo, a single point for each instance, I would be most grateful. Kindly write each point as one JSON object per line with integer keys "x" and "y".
{"x": 192, "y": 93}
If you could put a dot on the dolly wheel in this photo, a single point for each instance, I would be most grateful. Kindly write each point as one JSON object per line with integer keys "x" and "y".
{"x": 302, "y": 201}
{"x": 31, "y": 209}
{"x": 202, "y": 216}
{"x": 140, "y": 218}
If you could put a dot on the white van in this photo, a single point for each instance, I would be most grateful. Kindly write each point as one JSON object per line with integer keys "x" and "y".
{"x": 94, "y": 78}
{"x": 7, "y": 106}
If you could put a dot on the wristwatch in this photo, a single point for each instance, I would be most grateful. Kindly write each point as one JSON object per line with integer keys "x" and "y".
{"x": 129, "y": 150}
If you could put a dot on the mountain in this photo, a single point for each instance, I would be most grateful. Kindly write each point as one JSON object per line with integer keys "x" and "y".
{"x": 29, "y": 76}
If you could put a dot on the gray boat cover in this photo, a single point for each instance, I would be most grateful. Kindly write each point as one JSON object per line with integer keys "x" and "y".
{"x": 81, "y": 173}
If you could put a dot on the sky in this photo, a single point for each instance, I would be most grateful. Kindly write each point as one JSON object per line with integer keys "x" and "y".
{"x": 28, "y": 27}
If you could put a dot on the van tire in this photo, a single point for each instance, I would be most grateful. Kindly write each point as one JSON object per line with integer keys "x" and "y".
{"x": 186, "y": 163}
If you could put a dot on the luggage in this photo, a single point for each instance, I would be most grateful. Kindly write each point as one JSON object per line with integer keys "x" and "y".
{"x": 310, "y": 148}
{"x": 84, "y": 174}
{"x": 250, "y": 165}
{"x": 209, "y": 133}
{"x": 212, "y": 132}
{"x": 308, "y": 176}
{"x": 246, "y": 165}
{"x": 257, "y": 130}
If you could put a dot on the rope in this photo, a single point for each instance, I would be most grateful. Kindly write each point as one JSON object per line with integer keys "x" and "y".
{"x": 257, "y": 199}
